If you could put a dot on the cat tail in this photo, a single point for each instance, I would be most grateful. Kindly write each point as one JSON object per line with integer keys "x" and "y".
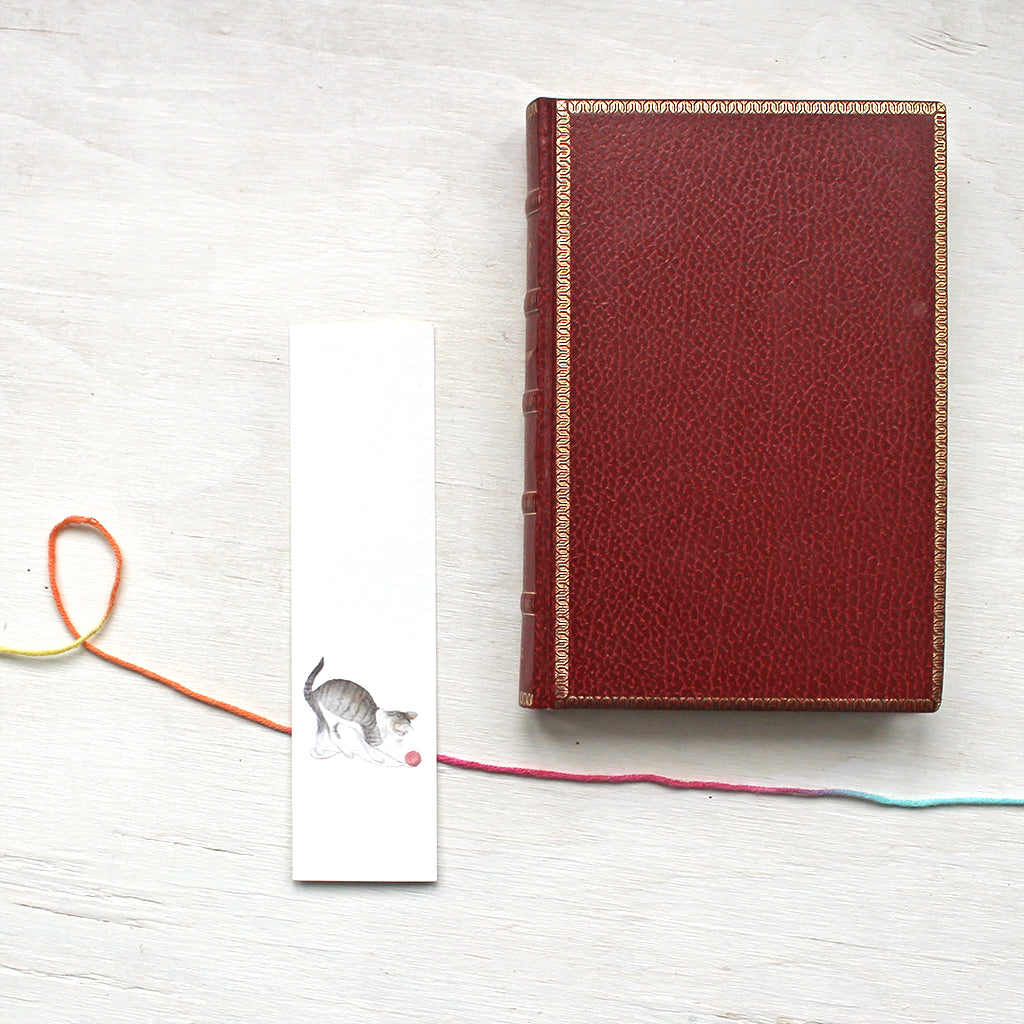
{"x": 307, "y": 692}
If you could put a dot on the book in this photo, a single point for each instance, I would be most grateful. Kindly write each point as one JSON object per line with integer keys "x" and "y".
{"x": 735, "y": 405}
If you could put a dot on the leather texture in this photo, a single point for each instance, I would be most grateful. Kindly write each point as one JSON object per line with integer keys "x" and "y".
{"x": 753, "y": 412}
{"x": 537, "y": 654}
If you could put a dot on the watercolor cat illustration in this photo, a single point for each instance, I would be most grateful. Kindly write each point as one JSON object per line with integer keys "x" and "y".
{"x": 348, "y": 721}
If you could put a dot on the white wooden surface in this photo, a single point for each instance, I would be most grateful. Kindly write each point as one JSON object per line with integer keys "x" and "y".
{"x": 180, "y": 181}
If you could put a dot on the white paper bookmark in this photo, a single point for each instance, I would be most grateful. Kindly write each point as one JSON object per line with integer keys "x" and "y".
{"x": 364, "y": 769}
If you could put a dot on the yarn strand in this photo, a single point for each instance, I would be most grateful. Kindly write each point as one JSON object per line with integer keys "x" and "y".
{"x": 85, "y": 640}
{"x": 733, "y": 787}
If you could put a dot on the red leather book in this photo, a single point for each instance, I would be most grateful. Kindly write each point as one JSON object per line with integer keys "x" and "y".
{"x": 735, "y": 405}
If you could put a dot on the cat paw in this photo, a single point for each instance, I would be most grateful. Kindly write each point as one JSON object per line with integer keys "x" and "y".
{"x": 322, "y": 755}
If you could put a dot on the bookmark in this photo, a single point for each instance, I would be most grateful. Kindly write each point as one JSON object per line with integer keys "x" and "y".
{"x": 364, "y": 769}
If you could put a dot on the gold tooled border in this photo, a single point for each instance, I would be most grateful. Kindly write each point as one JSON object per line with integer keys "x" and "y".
{"x": 563, "y": 306}
{"x": 941, "y": 388}
{"x": 748, "y": 107}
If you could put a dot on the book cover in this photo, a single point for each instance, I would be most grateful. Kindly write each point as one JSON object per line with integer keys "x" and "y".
{"x": 735, "y": 405}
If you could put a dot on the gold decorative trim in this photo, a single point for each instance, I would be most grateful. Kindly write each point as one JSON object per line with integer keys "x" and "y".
{"x": 563, "y": 108}
{"x": 562, "y": 319}
{"x": 749, "y": 107}
{"x": 764, "y": 703}
{"x": 525, "y": 699}
{"x": 941, "y": 389}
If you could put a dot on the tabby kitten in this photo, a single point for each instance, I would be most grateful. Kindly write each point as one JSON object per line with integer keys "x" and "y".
{"x": 348, "y": 720}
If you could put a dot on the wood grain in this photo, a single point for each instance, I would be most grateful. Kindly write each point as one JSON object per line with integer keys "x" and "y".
{"x": 178, "y": 184}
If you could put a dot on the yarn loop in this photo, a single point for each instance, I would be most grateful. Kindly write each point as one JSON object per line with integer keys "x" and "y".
{"x": 85, "y": 639}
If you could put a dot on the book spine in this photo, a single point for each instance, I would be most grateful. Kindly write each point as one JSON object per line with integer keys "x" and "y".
{"x": 536, "y": 671}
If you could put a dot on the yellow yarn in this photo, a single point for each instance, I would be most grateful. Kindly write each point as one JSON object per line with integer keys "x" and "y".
{"x": 48, "y": 652}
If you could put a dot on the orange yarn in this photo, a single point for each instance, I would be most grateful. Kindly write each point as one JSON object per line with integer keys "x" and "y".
{"x": 90, "y": 646}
